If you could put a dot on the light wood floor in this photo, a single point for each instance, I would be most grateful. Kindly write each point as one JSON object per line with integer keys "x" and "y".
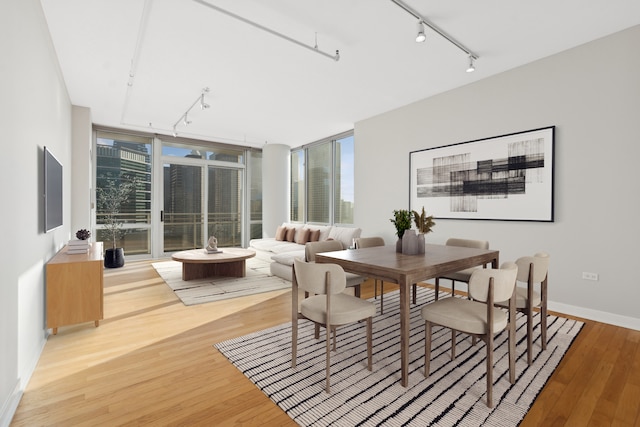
{"x": 152, "y": 361}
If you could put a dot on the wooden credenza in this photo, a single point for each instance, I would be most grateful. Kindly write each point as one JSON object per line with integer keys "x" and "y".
{"x": 74, "y": 288}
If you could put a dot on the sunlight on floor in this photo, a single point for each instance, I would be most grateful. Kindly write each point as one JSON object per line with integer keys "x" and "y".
{"x": 135, "y": 308}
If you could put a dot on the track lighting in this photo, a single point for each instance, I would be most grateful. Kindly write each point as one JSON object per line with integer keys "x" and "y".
{"x": 203, "y": 105}
{"x": 185, "y": 117}
{"x": 421, "y": 37}
{"x": 471, "y": 68}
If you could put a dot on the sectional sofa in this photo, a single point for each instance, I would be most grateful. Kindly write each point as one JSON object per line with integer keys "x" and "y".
{"x": 289, "y": 242}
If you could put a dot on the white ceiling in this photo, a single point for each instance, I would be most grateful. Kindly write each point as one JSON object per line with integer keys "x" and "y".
{"x": 266, "y": 89}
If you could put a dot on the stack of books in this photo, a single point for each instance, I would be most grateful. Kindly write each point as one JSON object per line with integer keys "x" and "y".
{"x": 212, "y": 251}
{"x": 77, "y": 246}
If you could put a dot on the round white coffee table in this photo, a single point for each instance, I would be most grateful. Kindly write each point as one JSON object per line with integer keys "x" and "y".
{"x": 198, "y": 264}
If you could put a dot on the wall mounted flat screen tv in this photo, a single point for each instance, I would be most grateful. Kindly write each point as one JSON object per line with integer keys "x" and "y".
{"x": 52, "y": 191}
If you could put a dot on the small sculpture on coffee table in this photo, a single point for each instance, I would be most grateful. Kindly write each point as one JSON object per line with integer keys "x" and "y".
{"x": 212, "y": 246}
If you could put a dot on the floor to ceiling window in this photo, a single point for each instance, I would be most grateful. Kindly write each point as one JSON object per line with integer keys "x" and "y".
{"x": 319, "y": 182}
{"x": 344, "y": 175}
{"x": 123, "y": 157}
{"x": 322, "y": 181}
{"x": 186, "y": 191}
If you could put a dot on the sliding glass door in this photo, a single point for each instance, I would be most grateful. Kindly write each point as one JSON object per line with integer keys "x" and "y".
{"x": 203, "y": 196}
{"x": 224, "y": 199}
{"x": 182, "y": 215}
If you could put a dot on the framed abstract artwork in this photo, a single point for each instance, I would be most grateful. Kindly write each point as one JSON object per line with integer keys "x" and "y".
{"x": 508, "y": 177}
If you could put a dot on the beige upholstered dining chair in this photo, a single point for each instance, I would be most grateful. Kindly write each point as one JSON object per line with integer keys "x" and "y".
{"x": 328, "y": 306}
{"x": 532, "y": 270}
{"x": 370, "y": 242}
{"x": 477, "y": 316}
{"x": 463, "y": 275}
{"x": 312, "y": 248}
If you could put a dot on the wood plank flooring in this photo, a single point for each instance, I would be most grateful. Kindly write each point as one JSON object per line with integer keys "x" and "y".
{"x": 152, "y": 362}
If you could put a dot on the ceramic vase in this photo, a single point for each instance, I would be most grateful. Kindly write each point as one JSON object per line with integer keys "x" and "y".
{"x": 410, "y": 242}
{"x": 421, "y": 243}
{"x": 114, "y": 258}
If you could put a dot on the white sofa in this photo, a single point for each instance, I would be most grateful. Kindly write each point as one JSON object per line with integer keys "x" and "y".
{"x": 281, "y": 252}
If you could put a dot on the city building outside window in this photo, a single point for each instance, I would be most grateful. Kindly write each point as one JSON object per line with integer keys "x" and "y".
{"x": 126, "y": 157}
{"x": 322, "y": 181}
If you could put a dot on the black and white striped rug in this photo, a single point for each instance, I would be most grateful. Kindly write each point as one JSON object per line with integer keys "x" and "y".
{"x": 454, "y": 393}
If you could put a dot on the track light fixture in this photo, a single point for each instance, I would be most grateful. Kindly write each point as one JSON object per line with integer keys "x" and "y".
{"x": 335, "y": 57}
{"x": 471, "y": 68}
{"x": 185, "y": 117}
{"x": 420, "y": 37}
{"x": 422, "y": 22}
{"x": 203, "y": 105}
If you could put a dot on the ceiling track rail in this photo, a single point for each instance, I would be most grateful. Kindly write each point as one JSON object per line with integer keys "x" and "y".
{"x": 437, "y": 30}
{"x": 335, "y": 57}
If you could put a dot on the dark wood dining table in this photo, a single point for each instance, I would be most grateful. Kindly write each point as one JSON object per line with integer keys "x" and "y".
{"x": 384, "y": 263}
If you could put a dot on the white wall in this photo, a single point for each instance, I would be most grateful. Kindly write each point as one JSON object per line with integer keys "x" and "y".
{"x": 81, "y": 176}
{"x": 592, "y": 95}
{"x": 35, "y": 111}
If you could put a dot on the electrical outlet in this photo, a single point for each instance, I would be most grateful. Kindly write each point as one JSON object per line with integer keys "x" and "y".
{"x": 589, "y": 276}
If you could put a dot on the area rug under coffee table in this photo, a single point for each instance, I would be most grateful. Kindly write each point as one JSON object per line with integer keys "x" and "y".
{"x": 258, "y": 279}
{"x": 454, "y": 393}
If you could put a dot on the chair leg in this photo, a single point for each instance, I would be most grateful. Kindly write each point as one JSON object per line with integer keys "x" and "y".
{"x": 415, "y": 292}
{"x": 437, "y": 287}
{"x": 381, "y": 297}
{"x": 316, "y": 331}
{"x": 543, "y": 312}
{"x": 369, "y": 343}
{"x": 375, "y": 289}
{"x": 453, "y": 344}
{"x": 328, "y": 356}
{"x": 543, "y": 325}
{"x": 490, "y": 370}
{"x": 529, "y": 335}
{"x": 294, "y": 343}
{"x": 427, "y": 348}
{"x": 356, "y": 290}
{"x": 453, "y": 288}
{"x": 512, "y": 350}
{"x": 333, "y": 329}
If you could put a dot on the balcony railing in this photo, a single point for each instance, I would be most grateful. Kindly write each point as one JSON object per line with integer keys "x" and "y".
{"x": 182, "y": 231}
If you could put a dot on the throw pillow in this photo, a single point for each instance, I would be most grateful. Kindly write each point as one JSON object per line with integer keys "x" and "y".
{"x": 281, "y": 233}
{"x": 302, "y": 236}
{"x": 291, "y": 233}
{"x": 324, "y": 230}
{"x": 314, "y": 235}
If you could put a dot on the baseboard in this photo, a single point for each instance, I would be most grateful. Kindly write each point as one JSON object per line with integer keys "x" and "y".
{"x": 585, "y": 313}
{"x": 598, "y": 316}
{"x": 10, "y": 405}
